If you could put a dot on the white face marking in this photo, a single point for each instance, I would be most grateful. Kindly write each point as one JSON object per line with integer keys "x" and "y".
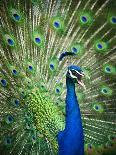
{"x": 79, "y": 72}
{"x": 72, "y": 75}
{"x": 79, "y": 82}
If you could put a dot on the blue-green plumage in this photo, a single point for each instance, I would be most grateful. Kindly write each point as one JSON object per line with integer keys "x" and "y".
{"x": 39, "y": 39}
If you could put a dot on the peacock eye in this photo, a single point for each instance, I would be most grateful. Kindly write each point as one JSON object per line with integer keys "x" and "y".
{"x": 10, "y": 41}
{"x": 74, "y": 73}
{"x": 14, "y": 71}
{"x": 56, "y": 24}
{"x": 84, "y": 19}
{"x": 16, "y": 16}
{"x": 38, "y": 40}
{"x": 8, "y": 140}
{"x": 113, "y": 20}
{"x": 17, "y": 102}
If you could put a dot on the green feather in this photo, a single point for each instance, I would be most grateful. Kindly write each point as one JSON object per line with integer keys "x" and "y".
{"x": 33, "y": 35}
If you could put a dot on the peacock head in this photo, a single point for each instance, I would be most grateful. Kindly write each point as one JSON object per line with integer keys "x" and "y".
{"x": 76, "y": 74}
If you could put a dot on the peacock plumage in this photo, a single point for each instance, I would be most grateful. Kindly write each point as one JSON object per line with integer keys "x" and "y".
{"x": 39, "y": 40}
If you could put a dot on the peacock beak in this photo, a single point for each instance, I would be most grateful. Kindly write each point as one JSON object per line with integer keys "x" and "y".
{"x": 79, "y": 81}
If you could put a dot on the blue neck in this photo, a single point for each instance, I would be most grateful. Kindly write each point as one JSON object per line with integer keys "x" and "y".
{"x": 71, "y": 140}
{"x": 73, "y": 116}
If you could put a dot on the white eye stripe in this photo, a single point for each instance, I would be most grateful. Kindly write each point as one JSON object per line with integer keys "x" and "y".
{"x": 72, "y": 75}
{"x": 78, "y": 72}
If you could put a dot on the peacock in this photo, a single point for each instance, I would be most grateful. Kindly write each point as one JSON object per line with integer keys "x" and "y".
{"x": 57, "y": 77}
{"x": 73, "y": 131}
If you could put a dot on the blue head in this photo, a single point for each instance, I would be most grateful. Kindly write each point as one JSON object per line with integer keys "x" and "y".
{"x": 75, "y": 73}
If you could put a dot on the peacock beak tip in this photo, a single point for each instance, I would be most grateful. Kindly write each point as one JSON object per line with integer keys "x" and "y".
{"x": 80, "y": 82}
